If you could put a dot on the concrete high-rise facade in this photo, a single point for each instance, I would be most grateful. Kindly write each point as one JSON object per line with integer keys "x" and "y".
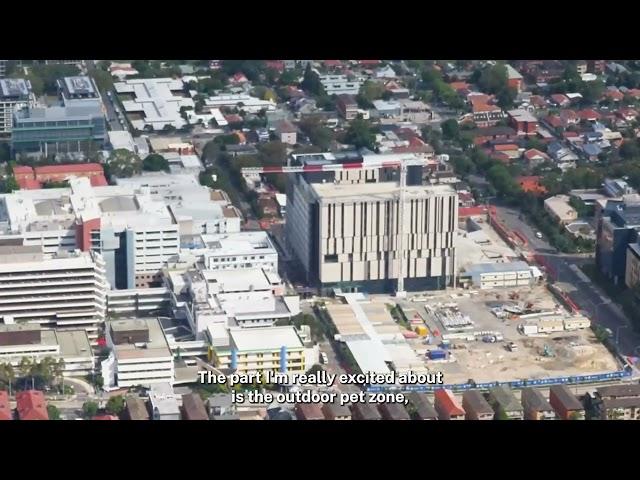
{"x": 66, "y": 290}
{"x": 345, "y": 231}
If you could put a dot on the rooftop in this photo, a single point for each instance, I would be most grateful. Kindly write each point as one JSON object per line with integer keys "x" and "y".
{"x": 423, "y": 406}
{"x": 477, "y": 402}
{"x": 615, "y": 391}
{"x": 505, "y": 398}
{"x": 376, "y": 191}
{"x": 268, "y": 338}
{"x": 481, "y": 268}
{"x": 535, "y": 400}
{"x": 156, "y": 347}
{"x": 564, "y": 396}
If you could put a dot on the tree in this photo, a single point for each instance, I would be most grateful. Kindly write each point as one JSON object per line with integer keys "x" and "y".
{"x": 289, "y": 77}
{"x": 506, "y": 97}
{"x": 54, "y": 412}
{"x": 10, "y": 184}
{"x": 115, "y": 405}
{"x": 104, "y": 80}
{"x": 311, "y": 82}
{"x": 7, "y": 374}
{"x": 359, "y": 134}
{"x": 50, "y": 74}
{"x": 89, "y": 409}
{"x": 123, "y": 163}
{"x": 501, "y": 415}
{"x": 630, "y": 149}
{"x": 5, "y": 152}
{"x": 318, "y": 134}
{"x": 450, "y": 129}
{"x": 155, "y": 163}
{"x": 272, "y": 153}
{"x": 493, "y": 79}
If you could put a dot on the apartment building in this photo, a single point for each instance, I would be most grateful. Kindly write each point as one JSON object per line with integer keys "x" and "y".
{"x": 278, "y": 349}
{"x": 340, "y": 84}
{"x": 343, "y": 228}
{"x": 140, "y": 354}
{"x": 64, "y": 291}
{"x": 15, "y": 94}
{"x": 241, "y": 101}
{"x": 347, "y": 106}
{"x": 3, "y": 68}
{"x": 616, "y": 230}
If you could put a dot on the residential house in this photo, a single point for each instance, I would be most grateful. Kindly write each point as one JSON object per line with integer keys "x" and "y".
{"x": 268, "y": 206}
{"x": 336, "y": 411}
{"x": 483, "y": 135}
{"x": 514, "y": 78}
{"x": 308, "y": 411}
{"x": 538, "y": 101}
{"x": 531, "y": 183}
{"x": 596, "y": 66}
{"x": 535, "y": 157}
{"x": 286, "y": 132}
{"x": 565, "y": 403}
{"x": 221, "y": 407}
{"x": 536, "y": 407}
{"x": 618, "y": 402}
{"x": 485, "y": 115}
{"x": 421, "y": 407}
{"x": 559, "y": 100}
{"x": 347, "y": 106}
{"x": 588, "y": 115}
{"x": 612, "y": 93}
{"x": 385, "y": 73}
{"x": 135, "y": 408}
{"x": 560, "y": 209}
{"x": 476, "y": 406}
{"x": 393, "y": 411}
{"x": 193, "y": 407}
{"x": 523, "y": 122}
{"x": 591, "y": 151}
{"x": 505, "y": 404}
{"x": 561, "y": 155}
{"x": 447, "y": 406}
{"x": 31, "y": 405}
{"x": 365, "y": 411}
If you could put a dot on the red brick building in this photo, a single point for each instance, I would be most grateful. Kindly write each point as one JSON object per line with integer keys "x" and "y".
{"x": 565, "y": 403}
{"x": 33, "y": 178}
{"x": 523, "y": 122}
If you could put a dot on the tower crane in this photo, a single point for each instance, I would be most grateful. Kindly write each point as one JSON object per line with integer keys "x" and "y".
{"x": 401, "y": 164}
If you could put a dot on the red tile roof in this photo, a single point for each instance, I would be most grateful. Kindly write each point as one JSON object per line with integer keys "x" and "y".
{"x": 505, "y": 147}
{"x": 31, "y": 405}
{"x": 554, "y": 121}
{"x": 29, "y": 183}
{"x": 239, "y": 78}
{"x": 531, "y": 184}
{"x": 615, "y": 95}
{"x": 537, "y": 101}
{"x": 570, "y": 134}
{"x": 560, "y": 99}
{"x": 445, "y": 398}
{"x": 277, "y": 65}
{"x": 588, "y": 114}
{"x": 459, "y": 85}
{"x": 5, "y": 409}
{"x": 472, "y": 211}
{"x": 22, "y": 170}
{"x": 634, "y": 92}
{"x": 69, "y": 168}
{"x": 368, "y": 62}
{"x": 105, "y": 417}
{"x": 98, "y": 181}
{"x": 332, "y": 63}
{"x": 533, "y": 153}
{"x": 483, "y": 107}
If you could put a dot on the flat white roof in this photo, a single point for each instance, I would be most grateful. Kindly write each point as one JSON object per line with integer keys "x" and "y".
{"x": 267, "y": 338}
{"x": 382, "y": 190}
{"x": 238, "y": 280}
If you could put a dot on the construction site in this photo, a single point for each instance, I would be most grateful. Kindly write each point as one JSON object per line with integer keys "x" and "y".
{"x": 502, "y": 335}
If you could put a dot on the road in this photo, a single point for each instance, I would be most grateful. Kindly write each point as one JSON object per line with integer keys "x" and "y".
{"x": 564, "y": 269}
{"x": 111, "y": 113}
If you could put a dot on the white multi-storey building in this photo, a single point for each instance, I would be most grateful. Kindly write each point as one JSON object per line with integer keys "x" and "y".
{"x": 65, "y": 291}
{"x": 135, "y": 233}
{"x": 140, "y": 354}
{"x": 18, "y": 341}
{"x": 15, "y": 94}
{"x": 339, "y": 84}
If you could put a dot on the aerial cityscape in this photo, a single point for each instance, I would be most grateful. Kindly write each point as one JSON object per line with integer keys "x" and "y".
{"x": 319, "y": 240}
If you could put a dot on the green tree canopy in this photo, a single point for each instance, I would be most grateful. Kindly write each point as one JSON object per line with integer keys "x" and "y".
{"x": 115, "y": 405}
{"x": 360, "y": 134}
{"x": 155, "y": 163}
{"x": 123, "y": 163}
{"x": 54, "y": 412}
{"x": 450, "y": 129}
{"x": 89, "y": 409}
{"x": 311, "y": 82}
